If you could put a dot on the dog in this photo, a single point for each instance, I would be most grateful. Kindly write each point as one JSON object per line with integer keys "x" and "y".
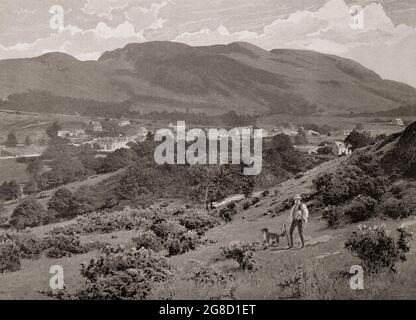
{"x": 270, "y": 238}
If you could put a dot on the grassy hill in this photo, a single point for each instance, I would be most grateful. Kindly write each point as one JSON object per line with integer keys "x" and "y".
{"x": 172, "y": 76}
{"x": 319, "y": 271}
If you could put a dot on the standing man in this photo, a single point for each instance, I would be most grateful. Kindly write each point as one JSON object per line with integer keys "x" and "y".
{"x": 298, "y": 218}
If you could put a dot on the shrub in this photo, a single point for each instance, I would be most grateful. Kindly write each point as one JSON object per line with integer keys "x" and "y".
{"x": 9, "y": 257}
{"x": 29, "y": 213}
{"x": 215, "y": 284}
{"x": 228, "y": 212}
{"x": 377, "y": 248}
{"x": 241, "y": 252}
{"x": 346, "y": 183}
{"x": 30, "y": 188}
{"x": 307, "y": 281}
{"x": 361, "y": 208}
{"x": 209, "y": 276}
{"x": 148, "y": 240}
{"x": 181, "y": 243}
{"x": 9, "y": 191}
{"x": 255, "y": 201}
{"x": 108, "y": 222}
{"x": 199, "y": 222}
{"x": 167, "y": 228}
{"x": 246, "y": 205}
{"x": 29, "y": 245}
{"x": 61, "y": 202}
{"x": 332, "y": 215}
{"x": 60, "y": 245}
{"x": 395, "y": 208}
{"x": 120, "y": 274}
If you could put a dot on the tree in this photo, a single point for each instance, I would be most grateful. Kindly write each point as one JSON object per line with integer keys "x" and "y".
{"x": 359, "y": 139}
{"x": 9, "y": 190}
{"x": 52, "y": 130}
{"x": 28, "y": 141}
{"x": 359, "y": 127}
{"x": 31, "y": 187}
{"x": 29, "y": 213}
{"x": 34, "y": 167}
{"x": 61, "y": 202}
{"x": 301, "y": 137}
{"x": 212, "y": 183}
{"x": 281, "y": 142}
{"x": 11, "y": 141}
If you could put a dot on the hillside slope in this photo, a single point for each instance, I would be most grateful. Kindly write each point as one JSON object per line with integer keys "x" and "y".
{"x": 238, "y": 76}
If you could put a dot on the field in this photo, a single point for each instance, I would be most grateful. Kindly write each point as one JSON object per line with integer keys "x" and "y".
{"x": 10, "y": 169}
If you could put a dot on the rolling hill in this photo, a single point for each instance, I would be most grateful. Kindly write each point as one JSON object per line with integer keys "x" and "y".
{"x": 239, "y": 76}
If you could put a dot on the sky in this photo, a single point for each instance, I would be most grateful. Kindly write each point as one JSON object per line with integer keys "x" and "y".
{"x": 384, "y": 39}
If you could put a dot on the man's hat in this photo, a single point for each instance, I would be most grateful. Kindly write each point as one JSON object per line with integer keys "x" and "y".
{"x": 297, "y": 197}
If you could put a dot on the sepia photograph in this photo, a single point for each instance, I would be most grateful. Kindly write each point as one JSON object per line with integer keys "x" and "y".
{"x": 227, "y": 151}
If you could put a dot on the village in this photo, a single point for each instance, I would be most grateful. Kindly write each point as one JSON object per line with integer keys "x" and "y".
{"x": 109, "y": 135}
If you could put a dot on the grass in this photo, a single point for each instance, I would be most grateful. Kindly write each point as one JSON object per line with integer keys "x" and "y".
{"x": 10, "y": 169}
{"x": 323, "y": 261}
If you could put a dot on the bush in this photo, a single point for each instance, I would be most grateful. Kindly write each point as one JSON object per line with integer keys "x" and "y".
{"x": 29, "y": 245}
{"x": 246, "y": 205}
{"x": 241, "y": 252}
{"x": 167, "y": 228}
{"x": 255, "y": 201}
{"x": 215, "y": 284}
{"x": 209, "y": 276}
{"x": 377, "y": 248}
{"x": 61, "y": 202}
{"x": 395, "y": 208}
{"x": 60, "y": 245}
{"x": 29, "y": 213}
{"x": 120, "y": 274}
{"x": 347, "y": 183}
{"x": 181, "y": 243}
{"x": 9, "y": 257}
{"x": 107, "y": 222}
{"x": 31, "y": 187}
{"x": 361, "y": 208}
{"x": 332, "y": 215}
{"x": 148, "y": 240}
{"x": 228, "y": 212}
{"x": 199, "y": 222}
{"x": 9, "y": 191}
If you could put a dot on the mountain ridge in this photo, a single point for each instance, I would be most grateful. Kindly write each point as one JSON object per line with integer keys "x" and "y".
{"x": 170, "y": 76}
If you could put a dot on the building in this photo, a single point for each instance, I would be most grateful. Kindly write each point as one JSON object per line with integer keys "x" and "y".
{"x": 71, "y": 133}
{"x": 340, "y": 148}
{"x": 307, "y": 148}
{"x": 398, "y": 122}
{"x": 124, "y": 123}
{"x": 312, "y": 133}
{"x": 95, "y": 126}
{"x": 343, "y": 133}
{"x": 109, "y": 144}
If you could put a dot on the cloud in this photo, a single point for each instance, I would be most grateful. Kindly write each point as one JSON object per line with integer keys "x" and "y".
{"x": 83, "y": 44}
{"x": 144, "y": 18}
{"x": 104, "y": 8}
{"x": 328, "y": 30}
{"x": 219, "y": 36}
{"x": 87, "y": 43}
